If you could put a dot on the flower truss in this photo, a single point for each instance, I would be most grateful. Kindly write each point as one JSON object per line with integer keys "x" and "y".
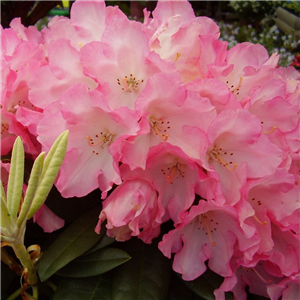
{"x": 171, "y": 127}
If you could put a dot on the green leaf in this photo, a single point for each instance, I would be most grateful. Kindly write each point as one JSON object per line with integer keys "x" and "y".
{"x": 178, "y": 290}
{"x": 31, "y": 189}
{"x": 205, "y": 285}
{"x": 73, "y": 242}
{"x": 202, "y": 288}
{"x": 50, "y": 170}
{"x": 94, "y": 288}
{"x": 15, "y": 180}
{"x": 96, "y": 263}
{"x": 104, "y": 242}
{"x": 145, "y": 277}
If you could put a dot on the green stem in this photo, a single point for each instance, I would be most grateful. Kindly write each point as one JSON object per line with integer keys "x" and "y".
{"x": 15, "y": 294}
{"x": 51, "y": 285}
{"x": 26, "y": 262}
{"x": 35, "y": 292}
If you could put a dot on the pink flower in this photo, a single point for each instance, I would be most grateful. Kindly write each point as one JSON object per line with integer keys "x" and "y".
{"x": 122, "y": 69}
{"x": 255, "y": 276}
{"x": 288, "y": 288}
{"x": 248, "y": 65}
{"x": 96, "y": 133}
{"x": 63, "y": 71}
{"x": 168, "y": 115}
{"x": 175, "y": 177}
{"x": 173, "y": 27}
{"x": 208, "y": 232}
{"x": 132, "y": 209}
{"x": 236, "y": 142}
{"x": 46, "y": 219}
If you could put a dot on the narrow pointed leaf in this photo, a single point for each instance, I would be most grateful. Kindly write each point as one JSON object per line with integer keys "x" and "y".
{"x": 50, "y": 170}
{"x": 15, "y": 180}
{"x": 32, "y": 188}
{"x": 145, "y": 276}
{"x": 94, "y": 264}
{"x": 73, "y": 242}
{"x": 94, "y": 288}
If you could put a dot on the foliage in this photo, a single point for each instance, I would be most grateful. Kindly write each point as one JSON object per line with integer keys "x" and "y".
{"x": 271, "y": 38}
{"x": 293, "y": 6}
{"x": 252, "y": 10}
{"x": 29, "y": 11}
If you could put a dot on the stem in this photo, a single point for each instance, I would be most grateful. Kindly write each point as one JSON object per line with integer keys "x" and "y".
{"x": 26, "y": 262}
{"x": 51, "y": 285}
{"x": 35, "y": 292}
{"x": 15, "y": 294}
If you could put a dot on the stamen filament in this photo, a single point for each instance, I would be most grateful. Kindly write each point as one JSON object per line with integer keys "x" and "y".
{"x": 177, "y": 56}
{"x": 163, "y": 137}
{"x": 171, "y": 175}
{"x": 261, "y": 277}
{"x": 221, "y": 160}
{"x": 239, "y": 85}
{"x": 208, "y": 231}
{"x": 92, "y": 144}
{"x": 259, "y": 221}
{"x": 271, "y": 130}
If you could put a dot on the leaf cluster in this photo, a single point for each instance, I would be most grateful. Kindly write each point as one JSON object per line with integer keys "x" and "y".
{"x": 29, "y": 11}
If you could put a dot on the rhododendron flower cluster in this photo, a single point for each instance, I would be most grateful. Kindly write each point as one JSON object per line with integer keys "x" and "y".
{"x": 171, "y": 127}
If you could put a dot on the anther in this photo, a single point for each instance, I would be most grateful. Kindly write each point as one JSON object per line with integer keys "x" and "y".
{"x": 232, "y": 89}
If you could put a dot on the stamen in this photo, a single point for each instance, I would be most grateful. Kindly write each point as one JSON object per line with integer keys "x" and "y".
{"x": 177, "y": 56}
{"x": 261, "y": 277}
{"x": 160, "y": 129}
{"x": 164, "y": 137}
{"x": 104, "y": 141}
{"x": 129, "y": 84}
{"x": 178, "y": 169}
{"x": 80, "y": 44}
{"x": 232, "y": 89}
{"x": 215, "y": 154}
{"x": 208, "y": 229}
{"x": 171, "y": 175}
{"x": 270, "y": 131}
{"x": 259, "y": 221}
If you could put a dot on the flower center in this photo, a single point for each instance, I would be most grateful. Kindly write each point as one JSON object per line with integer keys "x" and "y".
{"x": 205, "y": 223}
{"x": 160, "y": 128}
{"x": 220, "y": 156}
{"x": 234, "y": 88}
{"x": 129, "y": 83}
{"x": 174, "y": 171}
{"x": 4, "y": 127}
{"x": 103, "y": 139}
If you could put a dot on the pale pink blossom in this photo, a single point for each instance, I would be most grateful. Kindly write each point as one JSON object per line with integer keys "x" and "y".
{"x": 208, "y": 232}
{"x": 132, "y": 209}
{"x": 95, "y": 135}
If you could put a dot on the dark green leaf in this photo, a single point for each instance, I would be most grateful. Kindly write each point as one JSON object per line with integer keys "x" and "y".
{"x": 202, "y": 288}
{"x": 205, "y": 285}
{"x": 93, "y": 288}
{"x": 96, "y": 263}
{"x": 73, "y": 242}
{"x": 178, "y": 290}
{"x": 7, "y": 277}
{"x": 145, "y": 277}
{"x": 104, "y": 242}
